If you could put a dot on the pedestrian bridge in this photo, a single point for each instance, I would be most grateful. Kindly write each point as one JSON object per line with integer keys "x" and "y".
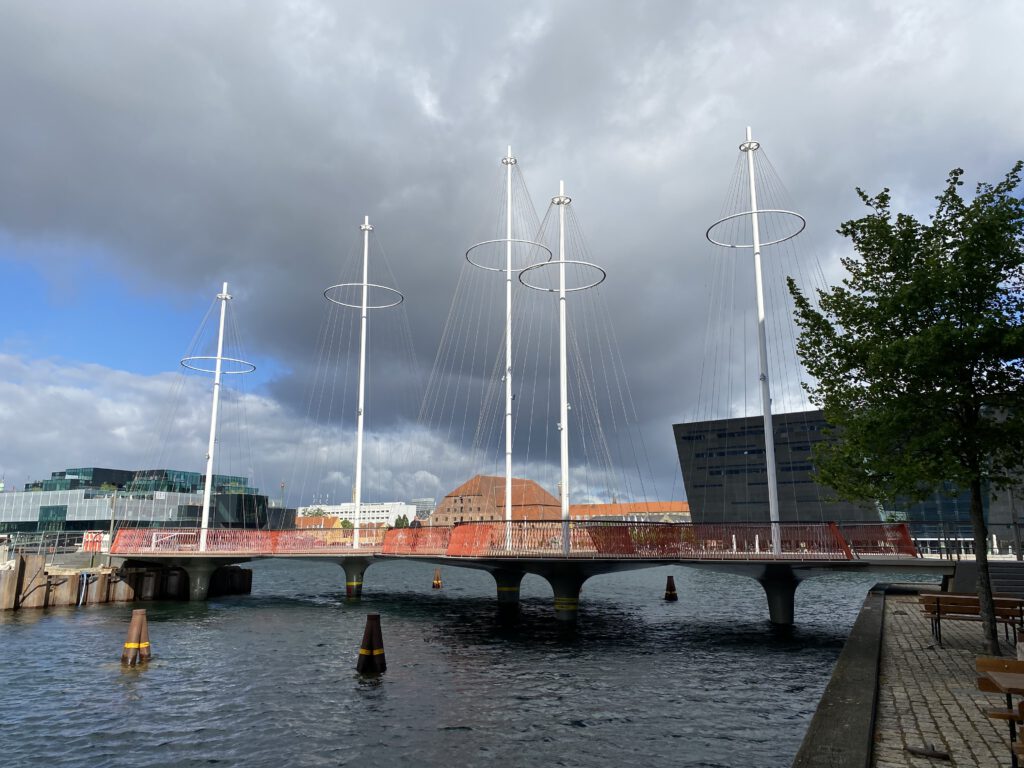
{"x": 566, "y": 553}
{"x": 540, "y": 539}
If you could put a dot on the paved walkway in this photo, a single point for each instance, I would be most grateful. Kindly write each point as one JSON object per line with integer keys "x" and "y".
{"x": 927, "y": 696}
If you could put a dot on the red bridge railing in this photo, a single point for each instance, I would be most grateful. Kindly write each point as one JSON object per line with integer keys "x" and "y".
{"x": 542, "y": 539}
{"x": 879, "y": 539}
{"x": 302, "y": 541}
{"x": 647, "y": 541}
{"x": 431, "y": 540}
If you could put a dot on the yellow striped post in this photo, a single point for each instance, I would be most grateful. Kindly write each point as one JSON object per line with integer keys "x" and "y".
{"x": 371, "y": 659}
{"x": 130, "y": 652}
{"x": 144, "y": 650}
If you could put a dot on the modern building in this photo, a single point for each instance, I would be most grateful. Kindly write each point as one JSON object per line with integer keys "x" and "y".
{"x": 371, "y": 514}
{"x": 726, "y": 476}
{"x": 482, "y": 499}
{"x": 95, "y": 498}
{"x": 424, "y": 507}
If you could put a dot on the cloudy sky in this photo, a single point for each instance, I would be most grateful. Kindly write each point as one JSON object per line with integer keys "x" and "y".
{"x": 151, "y": 151}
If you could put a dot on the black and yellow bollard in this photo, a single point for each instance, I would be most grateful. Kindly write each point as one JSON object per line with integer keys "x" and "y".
{"x": 437, "y": 578}
{"x": 136, "y": 647}
{"x": 371, "y": 653}
{"x": 670, "y": 590}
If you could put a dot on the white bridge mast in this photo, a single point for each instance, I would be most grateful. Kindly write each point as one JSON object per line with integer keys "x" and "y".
{"x": 364, "y": 306}
{"x": 508, "y": 161}
{"x": 199, "y": 363}
{"x": 562, "y": 201}
{"x": 482, "y": 255}
{"x": 357, "y": 491}
{"x": 750, "y": 147}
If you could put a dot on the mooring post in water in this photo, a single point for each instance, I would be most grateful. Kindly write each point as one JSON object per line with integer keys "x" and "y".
{"x": 130, "y": 656}
{"x": 144, "y": 650}
{"x": 371, "y": 652}
{"x": 437, "y": 578}
{"x": 670, "y": 589}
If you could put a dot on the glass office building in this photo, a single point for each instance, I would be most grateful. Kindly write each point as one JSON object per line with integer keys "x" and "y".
{"x": 90, "y": 498}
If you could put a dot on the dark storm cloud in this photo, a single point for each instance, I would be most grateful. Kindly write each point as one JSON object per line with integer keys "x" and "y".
{"x": 196, "y": 142}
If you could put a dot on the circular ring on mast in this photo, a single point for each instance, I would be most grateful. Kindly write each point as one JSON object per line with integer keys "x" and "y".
{"x": 506, "y": 240}
{"x": 801, "y": 220}
{"x": 582, "y": 287}
{"x": 244, "y": 366}
{"x": 383, "y": 305}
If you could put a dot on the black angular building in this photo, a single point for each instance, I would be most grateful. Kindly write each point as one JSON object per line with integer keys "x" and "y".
{"x": 726, "y": 478}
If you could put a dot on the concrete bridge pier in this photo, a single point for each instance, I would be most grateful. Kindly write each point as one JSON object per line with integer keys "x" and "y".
{"x": 199, "y": 573}
{"x": 355, "y": 567}
{"x": 508, "y": 582}
{"x": 780, "y": 583}
{"x": 566, "y": 586}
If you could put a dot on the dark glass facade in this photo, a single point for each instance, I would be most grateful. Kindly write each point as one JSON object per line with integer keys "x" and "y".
{"x": 724, "y": 471}
{"x": 726, "y": 477}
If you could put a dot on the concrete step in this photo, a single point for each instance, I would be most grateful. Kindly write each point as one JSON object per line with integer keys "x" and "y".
{"x": 1007, "y": 577}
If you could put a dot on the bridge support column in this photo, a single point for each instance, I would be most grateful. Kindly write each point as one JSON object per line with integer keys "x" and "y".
{"x": 508, "y": 589}
{"x": 354, "y": 567}
{"x": 567, "y": 595}
{"x": 780, "y": 585}
{"x": 199, "y": 573}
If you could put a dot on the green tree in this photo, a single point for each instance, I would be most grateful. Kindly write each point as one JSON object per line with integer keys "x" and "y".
{"x": 918, "y": 356}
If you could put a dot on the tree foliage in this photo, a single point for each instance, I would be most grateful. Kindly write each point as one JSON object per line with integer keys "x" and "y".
{"x": 918, "y": 356}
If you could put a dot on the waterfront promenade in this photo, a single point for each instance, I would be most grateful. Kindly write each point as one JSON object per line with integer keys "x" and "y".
{"x": 928, "y": 697}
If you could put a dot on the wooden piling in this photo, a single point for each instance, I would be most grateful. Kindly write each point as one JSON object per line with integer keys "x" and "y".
{"x": 130, "y": 654}
{"x": 10, "y": 584}
{"x": 371, "y": 653}
{"x": 35, "y": 583}
{"x": 144, "y": 649}
{"x": 437, "y": 579}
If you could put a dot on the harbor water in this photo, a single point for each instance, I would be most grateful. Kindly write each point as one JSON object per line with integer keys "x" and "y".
{"x": 269, "y": 680}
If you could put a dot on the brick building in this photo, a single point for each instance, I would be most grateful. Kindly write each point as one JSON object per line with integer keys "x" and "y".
{"x": 482, "y": 498}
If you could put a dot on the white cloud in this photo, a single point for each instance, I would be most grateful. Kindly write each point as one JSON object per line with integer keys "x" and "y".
{"x": 191, "y": 141}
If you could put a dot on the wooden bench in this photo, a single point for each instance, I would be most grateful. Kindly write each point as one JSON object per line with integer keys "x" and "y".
{"x": 965, "y": 607}
{"x": 1013, "y": 715}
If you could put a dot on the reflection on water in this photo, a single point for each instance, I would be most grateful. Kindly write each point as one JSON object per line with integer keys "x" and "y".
{"x": 268, "y": 679}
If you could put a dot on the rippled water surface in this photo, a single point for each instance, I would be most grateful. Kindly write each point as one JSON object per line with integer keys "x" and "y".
{"x": 268, "y": 679}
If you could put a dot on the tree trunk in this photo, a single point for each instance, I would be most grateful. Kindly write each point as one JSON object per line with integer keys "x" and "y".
{"x": 988, "y": 609}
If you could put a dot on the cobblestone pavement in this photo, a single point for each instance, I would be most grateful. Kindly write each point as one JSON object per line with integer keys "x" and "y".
{"x": 927, "y": 695}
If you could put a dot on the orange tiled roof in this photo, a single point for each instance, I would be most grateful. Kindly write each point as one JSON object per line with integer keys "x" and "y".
{"x": 630, "y": 508}
{"x": 525, "y": 493}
